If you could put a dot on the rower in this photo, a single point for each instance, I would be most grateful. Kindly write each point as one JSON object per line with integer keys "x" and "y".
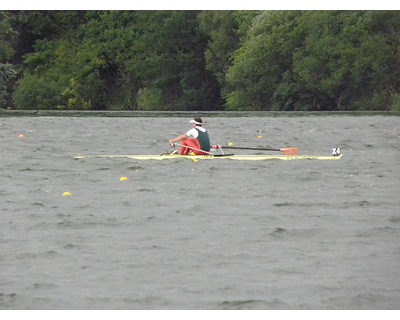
{"x": 196, "y": 140}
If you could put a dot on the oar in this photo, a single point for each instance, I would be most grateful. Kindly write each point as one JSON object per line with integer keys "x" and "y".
{"x": 285, "y": 151}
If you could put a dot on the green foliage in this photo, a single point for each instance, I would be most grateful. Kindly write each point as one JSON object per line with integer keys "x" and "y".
{"x": 263, "y": 58}
{"x": 341, "y": 64}
{"x": 168, "y": 55}
{"x": 149, "y": 99}
{"x": 221, "y": 27}
{"x": 395, "y": 102}
{"x": 193, "y": 60}
{"x": 33, "y": 26}
{"x": 318, "y": 60}
{"x": 36, "y": 93}
{"x": 73, "y": 98}
{"x": 381, "y": 101}
{"x": 7, "y": 77}
{"x": 120, "y": 57}
{"x": 7, "y": 70}
{"x": 7, "y": 35}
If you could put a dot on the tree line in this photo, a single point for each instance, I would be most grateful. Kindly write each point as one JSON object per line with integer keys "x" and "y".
{"x": 200, "y": 60}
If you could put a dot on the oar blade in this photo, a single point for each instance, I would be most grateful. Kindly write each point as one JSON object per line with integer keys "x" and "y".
{"x": 292, "y": 151}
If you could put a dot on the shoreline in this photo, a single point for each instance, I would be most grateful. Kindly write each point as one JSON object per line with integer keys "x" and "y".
{"x": 161, "y": 114}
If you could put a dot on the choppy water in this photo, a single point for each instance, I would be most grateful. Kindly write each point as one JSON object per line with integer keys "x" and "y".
{"x": 206, "y": 235}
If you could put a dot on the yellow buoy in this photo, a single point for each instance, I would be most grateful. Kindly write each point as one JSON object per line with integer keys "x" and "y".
{"x": 230, "y": 144}
{"x": 123, "y": 179}
{"x": 195, "y": 160}
{"x": 67, "y": 194}
{"x": 260, "y": 137}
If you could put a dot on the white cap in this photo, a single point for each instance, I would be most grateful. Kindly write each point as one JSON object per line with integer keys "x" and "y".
{"x": 197, "y": 121}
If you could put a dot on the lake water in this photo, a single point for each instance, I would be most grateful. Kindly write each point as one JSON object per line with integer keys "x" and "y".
{"x": 217, "y": 234}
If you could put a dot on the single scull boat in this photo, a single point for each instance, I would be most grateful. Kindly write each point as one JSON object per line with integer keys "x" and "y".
{"x": 213, "y": 157}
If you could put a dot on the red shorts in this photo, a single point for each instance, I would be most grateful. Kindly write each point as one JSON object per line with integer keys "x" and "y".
{"x": 191, "y": 145}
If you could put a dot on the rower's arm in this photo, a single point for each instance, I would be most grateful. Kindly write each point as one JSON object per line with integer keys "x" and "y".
{"x": 179, "y": 138}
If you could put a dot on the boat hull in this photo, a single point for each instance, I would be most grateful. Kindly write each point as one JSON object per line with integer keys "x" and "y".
{"x": 215, "y": 157}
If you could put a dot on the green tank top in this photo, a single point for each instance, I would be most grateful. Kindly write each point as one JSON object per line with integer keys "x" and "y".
{"x": 204, "y": 140}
